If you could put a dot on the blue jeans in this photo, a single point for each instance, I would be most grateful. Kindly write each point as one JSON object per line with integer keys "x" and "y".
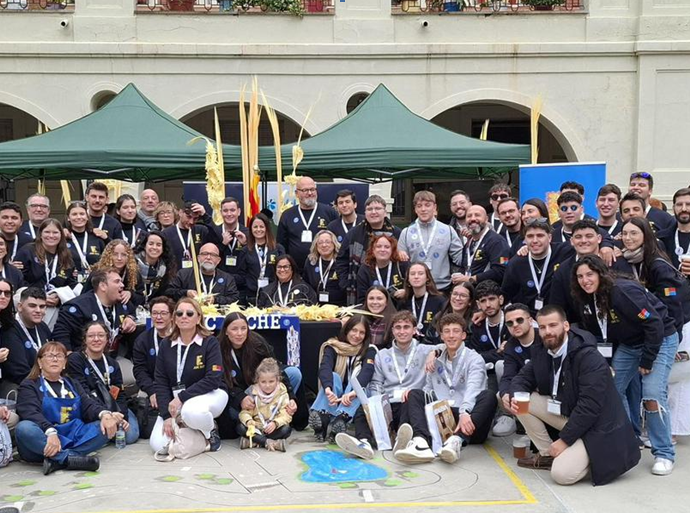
{"x": 294, "y": 375}
{"x": 132, "y": 435}
{"x": 321, "y": 403}
{"x": 626, "y": 362}
{"x": 633, "y": 396}
{"x": 31, "y": 440}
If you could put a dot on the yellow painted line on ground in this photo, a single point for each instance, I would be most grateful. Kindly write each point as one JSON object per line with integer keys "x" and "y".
{"x": 527, "y": 498}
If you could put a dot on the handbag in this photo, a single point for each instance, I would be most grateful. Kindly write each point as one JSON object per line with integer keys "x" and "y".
{"x": 186, "y": 443}
{"x": 5, "y": 445}
{"x": 146, "y": 415}
{"x": 441, "y": 423}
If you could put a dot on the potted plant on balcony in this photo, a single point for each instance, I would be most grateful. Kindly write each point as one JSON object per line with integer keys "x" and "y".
{"x": 292, "y": 6}
{"x": 542, "y": 5}
{"x": 181, "y": 5}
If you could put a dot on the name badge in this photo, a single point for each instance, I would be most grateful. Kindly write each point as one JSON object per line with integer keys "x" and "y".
{"x": 397, "y": 395}
{"x": 323, "y": 297}
{"x": 231, "y": 261}
{"x": 553, "y": 407}
{"x": 179, "y": 388}
{"x": 538, "y": 303}
{"x": 187, "y": 264}
{"x": 307, "y": 236}
{"x": 81, "y": 278}
{"x": 606, "y": 350}
{"x": 262, "y": 282}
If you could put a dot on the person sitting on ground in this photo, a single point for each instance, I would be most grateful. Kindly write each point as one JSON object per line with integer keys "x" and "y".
{"x": 459, "y": 377}
{"x": 60, "y": 423}
{"x": 397, "y": 370}
{"x": 189, "y": 374}
{"x": 101, "y": 377}
{"x": 341, "y": 360}
{"x": 571, "y": 389}
{"x": 289, "y": 289}
{"x": 269, "y": 416}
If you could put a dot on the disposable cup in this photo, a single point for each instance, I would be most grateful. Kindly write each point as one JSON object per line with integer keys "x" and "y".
{"x": 522, "y": 399}
{"x": 520, "y": 446}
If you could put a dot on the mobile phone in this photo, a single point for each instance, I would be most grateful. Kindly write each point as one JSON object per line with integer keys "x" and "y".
{"x": 683, "y": 356}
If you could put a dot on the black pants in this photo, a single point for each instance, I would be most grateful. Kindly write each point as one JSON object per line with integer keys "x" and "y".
{"x": 260, "y": 438}
{"x": 482, "y": 416}
{"x": 362, "y": 429}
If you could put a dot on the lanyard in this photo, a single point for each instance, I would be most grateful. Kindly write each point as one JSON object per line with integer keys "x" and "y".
{"x": 51, "y": 270}
{"x": 274, "y": 411}
{"x": 603, "y": 322}
{"x": 420, "y": 318}
{"x": 679, "y": 249}
{"x": 64, "y": 393}
{"x": 35, "y": 344}
{"x": 345, "y": 228}
{"x": 450, "y": 376}
{"x": 111, "y": 328}
{"x": 15, "y": 247}
{"x": 425, "y": 247}
{"x": 186, "y": 247}
{"x": 2, "y": 271}
{"x": 81, "y": 251}
{"x": 181, "y": 360}
{"x": 101, "y": 223}
{"x": 470, "y": 258}
{"x": 211, "y": 284}
{"x": 493, "y": 222}
{"x": 262, "y": 254}
{"x": 135, "y": 236}
{"x": 155, "y": 340}
{"x": 388, "y": 278}
{"x": 234, "y": 359}
{"x": 323, "y": 277}
{"x": 488, "y": 331}
{"x": 408, "y": 362}
{"x": 613, "y": 227}
{"x": 32, "y": 230}
{"x": 556, "y": 376}
{"x": 311, "y": 218}
{"x": 233, "y": 244}
{"x": 105, "y": 379}
{"x": 539, "y": 282}
{"x": 283, "y": 302}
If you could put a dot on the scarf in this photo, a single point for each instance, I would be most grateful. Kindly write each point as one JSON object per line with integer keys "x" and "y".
{"x": 634, "y": 257}
{"x": 343, "y": 350}
{"x": 266, "y": 398}
{"x": 144, "y": 268}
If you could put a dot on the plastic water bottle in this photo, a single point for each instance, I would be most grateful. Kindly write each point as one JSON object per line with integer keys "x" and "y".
{"x": 120, "y": 442}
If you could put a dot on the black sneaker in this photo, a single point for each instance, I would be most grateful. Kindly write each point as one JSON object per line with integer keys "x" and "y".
{"x": 214, "y": 441}
{"x": 316, "y": 424}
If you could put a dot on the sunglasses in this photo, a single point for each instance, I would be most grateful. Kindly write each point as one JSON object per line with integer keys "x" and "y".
{"x": 6, "y": 293}
{"x": 646, "y": 176}
{"x": 188, "y": 313}
{"x": 572, "y": 208}
{"x": 498, "y": 197}
{"x": 519, "y": 320}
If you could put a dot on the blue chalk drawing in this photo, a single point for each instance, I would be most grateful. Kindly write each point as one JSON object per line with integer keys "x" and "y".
{"x": 335, "y": 467}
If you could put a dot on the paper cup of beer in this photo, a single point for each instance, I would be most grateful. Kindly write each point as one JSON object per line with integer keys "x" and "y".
{"x": 522, "y": 399}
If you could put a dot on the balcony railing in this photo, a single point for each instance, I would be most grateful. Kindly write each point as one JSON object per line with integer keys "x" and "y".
{"x": 35, "y": 5}
{"x": 298, "y": 7}
{"x": 487, "y": 6}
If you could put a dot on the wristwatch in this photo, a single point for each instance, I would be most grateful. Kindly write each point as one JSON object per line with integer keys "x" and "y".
{"x": 51, "y": 431}
{"x": 104, "y": 413}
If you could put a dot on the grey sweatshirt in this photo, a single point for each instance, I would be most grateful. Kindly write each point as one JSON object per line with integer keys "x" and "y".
{"x": 445, "y": 247}
{"x": 467, "y": 372}
{"x": 386, "y": 380}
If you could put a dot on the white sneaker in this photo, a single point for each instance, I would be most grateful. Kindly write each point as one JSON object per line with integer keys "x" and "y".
{"x": 403, "y": 437}
{"x": 450, "y": 453}
{"x": 417, "y": 451}
{"x": 662, "y": 467}
{"x": 349, "y": 444}
{"x": 505, "y": 426}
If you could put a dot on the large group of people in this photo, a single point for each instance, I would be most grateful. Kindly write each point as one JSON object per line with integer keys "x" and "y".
{"x": 586, "y": 319}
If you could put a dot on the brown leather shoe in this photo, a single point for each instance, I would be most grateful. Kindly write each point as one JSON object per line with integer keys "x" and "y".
{"x": 536, "y": 462}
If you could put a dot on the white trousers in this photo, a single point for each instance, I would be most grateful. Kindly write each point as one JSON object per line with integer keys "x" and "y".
{"x": 197, "y": 413}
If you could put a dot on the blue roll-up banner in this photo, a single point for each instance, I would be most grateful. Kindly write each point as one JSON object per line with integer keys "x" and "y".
{"x": 544, "y": 181}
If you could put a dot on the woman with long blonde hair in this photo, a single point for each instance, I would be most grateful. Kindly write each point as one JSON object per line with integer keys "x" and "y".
{"x": 119, "y": 254}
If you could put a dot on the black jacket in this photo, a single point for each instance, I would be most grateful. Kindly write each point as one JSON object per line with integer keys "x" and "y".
{"x": 480, "y": 341}
{"x": 79, "y": 369}
{"x": 199, "y": 236}
{"x": 366, "y": 367}
{"x": 224, "y": 286}
{"x": 111, "y": 226}
{"x": 35, "y": 272}
{"x": 311, "y": 275}
{"x": 94, "y": 250}
{"x": 229, "y": 253}
{"x": 13, "y": 275}
{"x": 144, "y": 360}
{"x": 336, "y": 226}
{"x": 590, "y": 401}
{"x": 137, "y": 298}
{"x": 489, "y": 258}
{"x": 515, "y": 357}
{"x": 300, "y": 294}
{"x": 250, "y": 269}
{"x": 290, "y": 229}
{"x": 22, "y": 353}
{"x": 74, "y": 315}
{"x": 661, "y": 221}
{"x": 367, "y": 277}
{"x": 434, "y": 304}
{"x": 637, "y": 318}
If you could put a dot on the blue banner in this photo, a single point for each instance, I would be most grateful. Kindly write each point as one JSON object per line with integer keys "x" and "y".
{"x": 544, "y": 181}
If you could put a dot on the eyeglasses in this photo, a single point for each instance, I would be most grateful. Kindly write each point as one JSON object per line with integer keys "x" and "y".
{"x": 572, "y": 208}
{"x": 38, "y": 205}
{"x": 188, "y": 313}
{"x": 519, "y": 320}
{"x": 6, "y": 293}
{"x": 204, "y": 254}
{"x": 498, "y": 197}
{"x": 160, "y": 314}
{"x": 646, "y": 176}
{"x": 311, "y": 190}
{"x": 374, "y": 209}
{"x": 460, "y": 296}
{"x": 54, "y": 356}
{"x": 96, "y": 336}
{"x": 283, "y": 267}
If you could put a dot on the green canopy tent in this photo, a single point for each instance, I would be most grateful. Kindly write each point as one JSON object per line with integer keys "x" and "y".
{"x": 382, "y": 140}
{"x": 130, "y": 138}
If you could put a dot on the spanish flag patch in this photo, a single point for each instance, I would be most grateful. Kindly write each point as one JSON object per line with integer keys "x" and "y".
{"x": 503, "y": 260}
{"x": 670, "y": 291}
{"x": 216, "y": 368}
{"x": 644, "y": 314}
